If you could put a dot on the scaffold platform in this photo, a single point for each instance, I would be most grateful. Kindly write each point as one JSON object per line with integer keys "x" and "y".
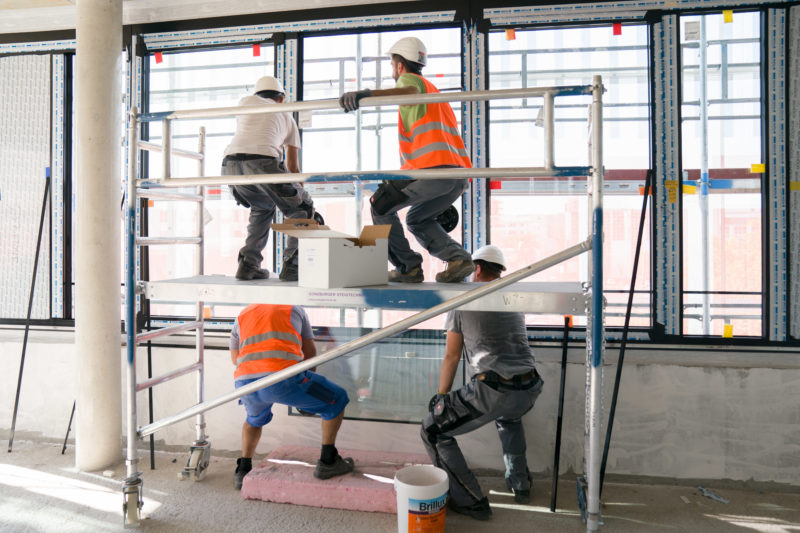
{"x": 562, "y": 298}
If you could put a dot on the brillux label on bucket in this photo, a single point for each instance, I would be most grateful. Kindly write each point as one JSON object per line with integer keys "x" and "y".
{"x": 426, "y": 516}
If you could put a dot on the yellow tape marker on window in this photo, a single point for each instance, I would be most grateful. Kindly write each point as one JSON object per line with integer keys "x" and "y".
{"x": 689, "y": 189}
{"x": 758, "y": 168}
{"x": 727, "y": 16}
{"x": 727, "y": 331}
{"x": 794, "y": 185}
{"x": 672, "y": 190}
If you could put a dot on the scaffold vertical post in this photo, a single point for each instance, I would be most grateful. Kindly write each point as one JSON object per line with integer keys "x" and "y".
{"x": 549, "y": 131}
{"x": 132, "y": 490}
{"x": 593, "y": 518}
{"x": 200, "y": 270}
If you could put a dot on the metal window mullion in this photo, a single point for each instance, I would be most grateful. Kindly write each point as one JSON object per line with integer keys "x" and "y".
{"x": 57, "y": 257}
{"x": 476, "y": 123}
{"x": 666, "y": 242}
{"x": 794, "y": 163}
{"x": 777, "y": 177}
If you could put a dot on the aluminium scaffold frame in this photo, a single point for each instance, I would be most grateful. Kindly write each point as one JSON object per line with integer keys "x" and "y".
{"x": 200, "y": 450}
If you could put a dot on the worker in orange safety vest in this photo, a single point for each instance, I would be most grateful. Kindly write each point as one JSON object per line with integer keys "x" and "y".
{"x": 429, "y": 137}
{"x": 268, "y": 338}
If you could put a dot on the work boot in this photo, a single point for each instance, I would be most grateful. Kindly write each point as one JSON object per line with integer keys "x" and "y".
{"x": 341, "y": 466}
{"x": 247, "y": 272}
{"x": 520, "y": 495}
{"x": 456, "y": 271}
{"x": 243, "y": 466}
{"x": 414, "y": 275}
{"x": 289, "y": 268}
{"x": 479, "y": 510}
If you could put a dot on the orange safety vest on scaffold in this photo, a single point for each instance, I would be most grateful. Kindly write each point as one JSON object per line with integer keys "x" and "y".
{"x": 434, "y": 140}
{"x": 267, "y": 340}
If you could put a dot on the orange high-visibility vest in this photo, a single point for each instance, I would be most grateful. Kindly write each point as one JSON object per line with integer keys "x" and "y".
{"x": 267, "y": 340}
{"x": 434, "y": 140}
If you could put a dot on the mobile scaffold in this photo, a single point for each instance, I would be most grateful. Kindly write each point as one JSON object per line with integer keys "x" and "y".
{"x": 593, "y": 302}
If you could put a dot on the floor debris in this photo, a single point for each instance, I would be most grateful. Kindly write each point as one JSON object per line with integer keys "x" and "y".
{"x": 708, "y": 493}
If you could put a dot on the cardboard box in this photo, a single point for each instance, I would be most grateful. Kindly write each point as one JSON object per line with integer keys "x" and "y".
{"x": 330, "y": 259}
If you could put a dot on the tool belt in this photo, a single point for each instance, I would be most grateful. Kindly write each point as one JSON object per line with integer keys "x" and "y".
{"x": 245, "y": 157}
{"x": 520, "y": 381}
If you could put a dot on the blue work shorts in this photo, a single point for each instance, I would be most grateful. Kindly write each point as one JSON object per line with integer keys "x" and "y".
{"x": 307, "y": 391}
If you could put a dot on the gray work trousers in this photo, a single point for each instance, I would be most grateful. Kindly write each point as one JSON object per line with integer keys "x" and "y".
{"x": 468, "y": 408}
{"x": 428, "y": 199}
{"x": 290, "y": 198}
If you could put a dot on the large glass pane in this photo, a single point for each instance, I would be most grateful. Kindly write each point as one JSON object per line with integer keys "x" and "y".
{"x": 721, "y": 140}
{"x": 531, "y": 219}
{"x": 193, "y": 80}
{"x": 25, "y": 141}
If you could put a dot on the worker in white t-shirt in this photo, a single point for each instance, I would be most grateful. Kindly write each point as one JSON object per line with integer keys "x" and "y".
{"x": 266, "y": 143}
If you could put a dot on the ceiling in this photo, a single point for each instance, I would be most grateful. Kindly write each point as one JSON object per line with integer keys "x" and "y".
{"x": 23, "y": 16}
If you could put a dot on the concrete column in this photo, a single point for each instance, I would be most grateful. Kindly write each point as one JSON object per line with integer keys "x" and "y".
{"x": 97, "y": 259}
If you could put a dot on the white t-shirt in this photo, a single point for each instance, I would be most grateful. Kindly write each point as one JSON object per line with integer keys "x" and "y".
{"x": 263, "y": 133}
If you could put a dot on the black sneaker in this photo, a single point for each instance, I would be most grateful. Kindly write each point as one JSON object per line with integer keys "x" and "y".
{"x": 242, "y": 468}
{"x": 479, "y": 510}
{"x": 247, "y": 272}
{"x": 341, "y": 466}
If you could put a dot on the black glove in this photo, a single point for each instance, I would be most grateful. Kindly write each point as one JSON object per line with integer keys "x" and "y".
{"x": 349, "y": 101}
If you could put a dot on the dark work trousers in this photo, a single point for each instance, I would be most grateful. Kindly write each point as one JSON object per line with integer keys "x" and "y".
{"x": 468, "y": 408}
{"x": 428, "y": 199}
{"x": 290, "y": 198}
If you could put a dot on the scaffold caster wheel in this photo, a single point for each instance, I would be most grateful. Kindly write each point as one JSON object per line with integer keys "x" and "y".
{"x": 197, "y": 464}
{"x": 132, "y": 504}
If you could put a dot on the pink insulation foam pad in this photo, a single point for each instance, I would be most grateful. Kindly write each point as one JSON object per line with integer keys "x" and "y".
{"x": 287, "y": 476}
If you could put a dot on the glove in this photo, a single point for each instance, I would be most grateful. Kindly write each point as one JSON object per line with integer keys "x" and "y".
{"x": 349, "y": 101}
{"x": 434, "y": 400}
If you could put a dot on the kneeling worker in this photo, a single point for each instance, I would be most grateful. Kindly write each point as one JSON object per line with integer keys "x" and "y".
{"x": 503, "y": 386}
{"x": 266, "y": 339}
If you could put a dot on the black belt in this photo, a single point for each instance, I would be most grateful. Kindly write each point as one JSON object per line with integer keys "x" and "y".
{"x": 519, "y": 379}
{"x": 246, "y": 157}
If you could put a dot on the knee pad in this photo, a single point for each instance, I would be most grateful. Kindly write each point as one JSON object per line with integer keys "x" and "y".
{"x": 309, "y": 209}
{"x": 448, "y": 219}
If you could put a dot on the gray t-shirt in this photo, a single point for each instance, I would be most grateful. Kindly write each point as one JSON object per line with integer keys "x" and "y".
{"x": 299, "y": 320}
{"x": 495, "y": 341}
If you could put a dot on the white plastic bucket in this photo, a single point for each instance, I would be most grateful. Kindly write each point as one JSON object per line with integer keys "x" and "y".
{"x": 421, "y": 499}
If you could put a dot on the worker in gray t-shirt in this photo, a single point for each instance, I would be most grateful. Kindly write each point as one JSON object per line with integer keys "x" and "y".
{"x": 503, "y": 386}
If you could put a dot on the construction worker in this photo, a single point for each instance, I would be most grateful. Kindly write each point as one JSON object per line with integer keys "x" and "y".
{"x": 266, "y": 339}
{"x": 266, "y": 143}
{"x": 503, "y": 385}
{"x": 429, "y": 138}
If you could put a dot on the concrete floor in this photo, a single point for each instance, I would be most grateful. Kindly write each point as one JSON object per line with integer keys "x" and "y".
{"x": 40, "y": 491}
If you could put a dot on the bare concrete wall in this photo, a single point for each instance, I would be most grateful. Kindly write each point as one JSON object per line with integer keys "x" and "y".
{"x": 676, "y": 418}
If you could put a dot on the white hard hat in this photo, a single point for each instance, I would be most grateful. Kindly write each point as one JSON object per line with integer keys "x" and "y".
{"x": 268, "y": 83}
{"x": 491, "y": 254}
{"x": 411, "y": 49}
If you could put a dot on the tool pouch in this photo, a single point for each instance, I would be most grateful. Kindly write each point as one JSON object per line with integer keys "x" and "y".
{"x": 389, "y": 194}
{"x": 238, "y": 197}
